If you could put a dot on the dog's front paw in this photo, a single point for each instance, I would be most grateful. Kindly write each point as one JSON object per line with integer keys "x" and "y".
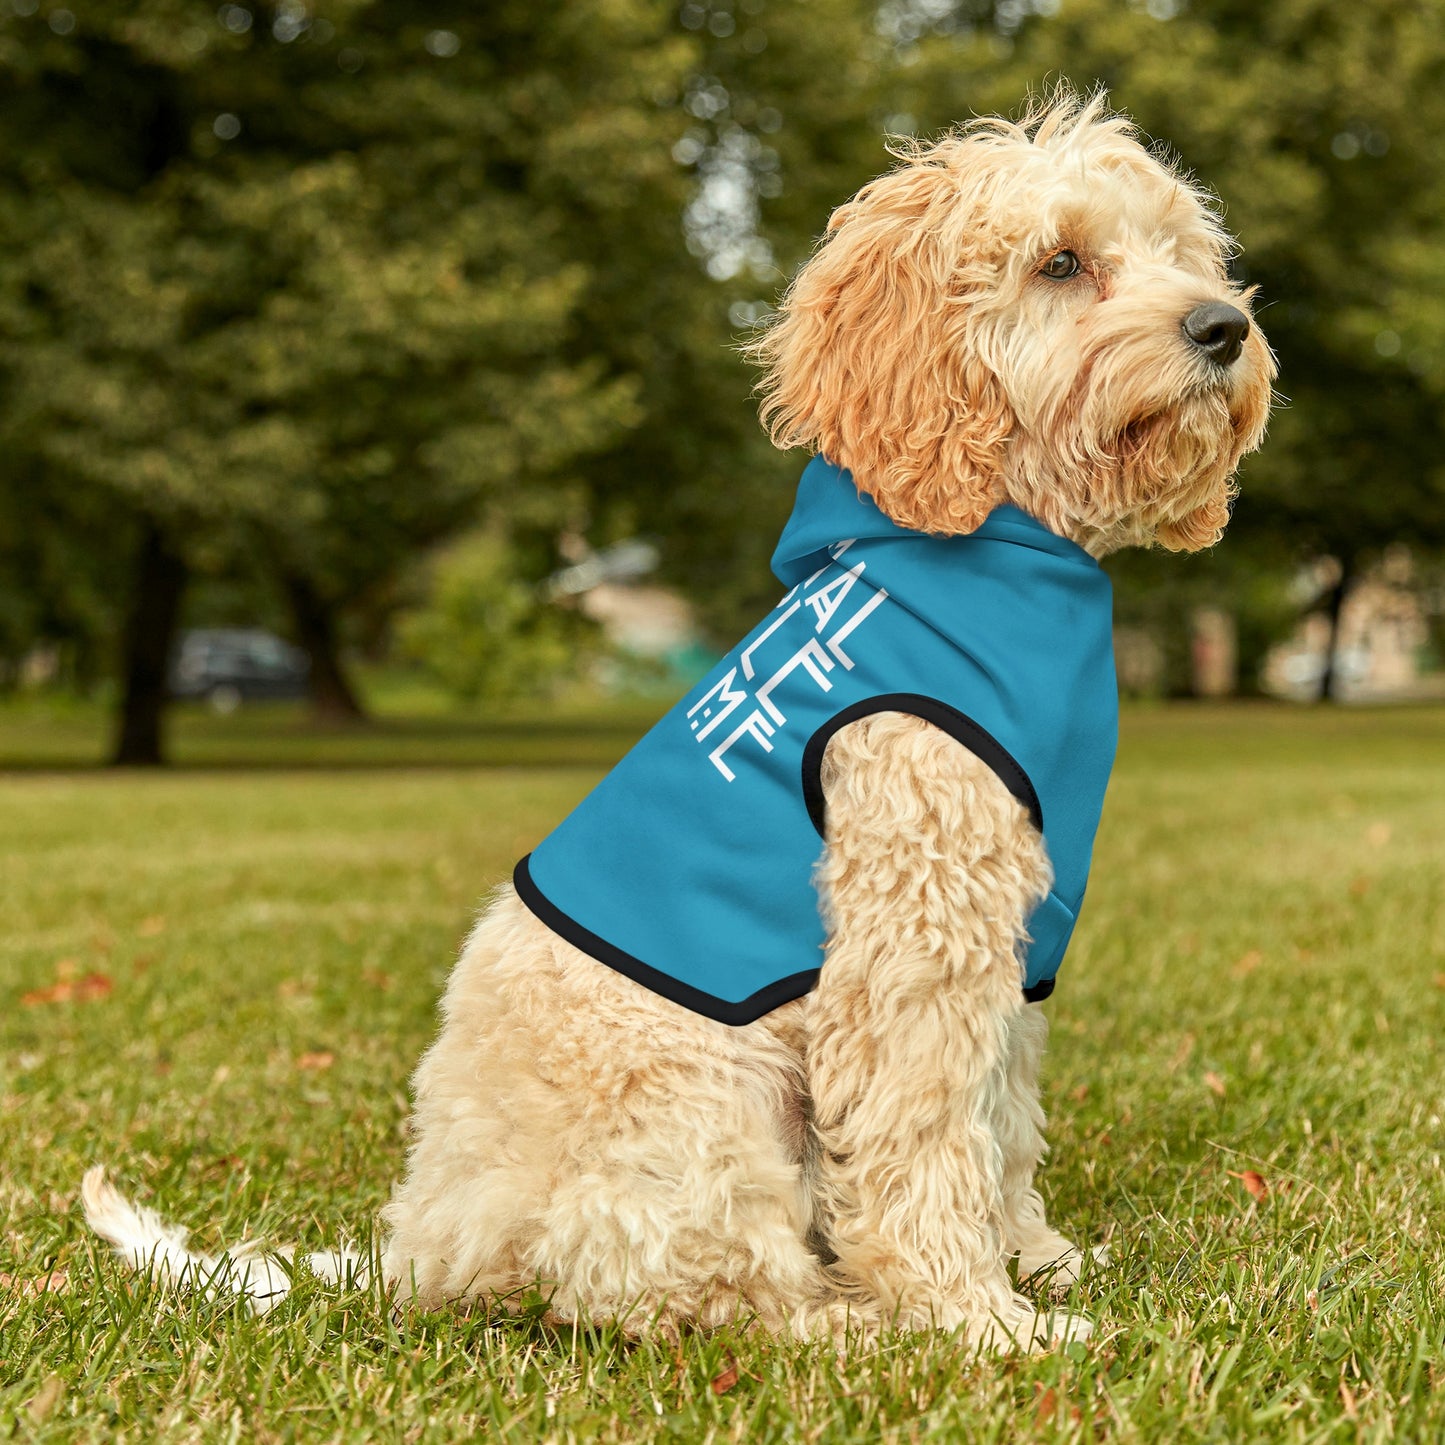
{"x": 1023, "y": 1326}
{"x": 1057, "y": 1266}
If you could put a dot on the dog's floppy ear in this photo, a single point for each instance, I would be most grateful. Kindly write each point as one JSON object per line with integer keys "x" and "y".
{"x": 872, "y": 361}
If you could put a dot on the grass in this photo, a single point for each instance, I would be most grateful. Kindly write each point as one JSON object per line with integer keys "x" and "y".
{"x": 217, "y": 980}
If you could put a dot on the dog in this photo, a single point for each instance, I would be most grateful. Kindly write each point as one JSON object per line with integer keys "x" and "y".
{"x": 647, "y": 1097}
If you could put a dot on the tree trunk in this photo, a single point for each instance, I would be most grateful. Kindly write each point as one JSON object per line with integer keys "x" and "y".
{"x": 1329, "y": 678}
{"x": 150, "y": 631}
{"x": 333, "y": 699}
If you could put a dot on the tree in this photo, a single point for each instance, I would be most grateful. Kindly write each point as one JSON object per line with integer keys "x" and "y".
{"x": 306, "y": 287}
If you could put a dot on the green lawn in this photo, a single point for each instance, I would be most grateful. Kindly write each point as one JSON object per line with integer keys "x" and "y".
{"x": 217, "y": 979}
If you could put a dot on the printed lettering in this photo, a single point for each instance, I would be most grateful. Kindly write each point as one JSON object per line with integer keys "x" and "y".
{"x": 827, "y": 599}
{"x": 836, "y": 640}
{"x": 756, "y": 724}
{"x": 747, "y": 655}
{"x": 810, "y": 657}
{"x": 703, "y": 714}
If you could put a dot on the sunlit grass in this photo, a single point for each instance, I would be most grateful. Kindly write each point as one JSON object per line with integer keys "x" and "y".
{"x": 252, "y": 959}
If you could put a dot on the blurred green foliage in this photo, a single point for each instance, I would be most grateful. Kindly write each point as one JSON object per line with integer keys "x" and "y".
{"x": 486, "y": 634}
{"x": 291, "y": 293}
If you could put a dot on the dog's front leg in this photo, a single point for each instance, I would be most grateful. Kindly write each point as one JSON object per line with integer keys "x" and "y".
{"x": 930, "y": 870}
{"x": 1042, "y": 1251}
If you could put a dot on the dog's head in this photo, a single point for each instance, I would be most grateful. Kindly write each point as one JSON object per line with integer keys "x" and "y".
{"x": 1037, "y": 313}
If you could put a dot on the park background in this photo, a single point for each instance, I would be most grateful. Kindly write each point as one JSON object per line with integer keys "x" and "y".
{"x": 408, "y": 333}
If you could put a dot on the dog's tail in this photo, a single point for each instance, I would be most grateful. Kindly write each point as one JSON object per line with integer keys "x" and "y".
{"x": 147, "y": 1243}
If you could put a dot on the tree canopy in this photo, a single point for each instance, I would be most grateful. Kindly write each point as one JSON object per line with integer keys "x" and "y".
{"x": 300, "y": 290}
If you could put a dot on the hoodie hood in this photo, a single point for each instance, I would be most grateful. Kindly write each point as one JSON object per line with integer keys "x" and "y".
{"x": 830, "y": 508}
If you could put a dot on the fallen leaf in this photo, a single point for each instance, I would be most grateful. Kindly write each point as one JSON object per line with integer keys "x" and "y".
{"x": 1248, "y": 963}
{"x": 1254, "y": 1182}
{"x": 56, "y": 993}
{"x": 83, "y": 990}
{"x": 151, "y": 927}
{"x": 1214, "y": 1083}
{"x": 45, "y": 1399}
{"x": 56, "y": 1282}
{"x": 320, "y": 1059}
{"x": 1046, "y": 1408}
{"x": 724, "y": 1382}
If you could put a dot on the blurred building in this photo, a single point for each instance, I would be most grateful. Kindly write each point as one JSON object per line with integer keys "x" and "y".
{"x": 1382, "y": 650}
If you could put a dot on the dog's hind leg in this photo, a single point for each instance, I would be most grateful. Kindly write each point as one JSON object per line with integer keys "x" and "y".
{"x": 578, "y": 1135}
{"x": 930, "y": 870}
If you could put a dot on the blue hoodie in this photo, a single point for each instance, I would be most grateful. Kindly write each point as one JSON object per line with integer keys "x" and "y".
{"x": 689, "y": 867}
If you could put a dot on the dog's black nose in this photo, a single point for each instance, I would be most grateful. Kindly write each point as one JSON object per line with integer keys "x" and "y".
{"x": 1218, "y": 331}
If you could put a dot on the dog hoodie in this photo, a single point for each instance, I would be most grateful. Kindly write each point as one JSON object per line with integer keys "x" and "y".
{"x": 689, "y": 867}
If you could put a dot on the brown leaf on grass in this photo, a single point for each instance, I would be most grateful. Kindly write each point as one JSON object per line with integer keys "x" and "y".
{"x": 56, "y": 993}
{"x": 45, "y": 1399}
{"x": 1255, "y": 1184}
{"x": 151, "y": 927}
{"x": 1248, "y": 963}
{"x": 1046, "y": 1407}
{"x": 1181, "y": 1054}
{"x": 80, "y": 990}
{"x": 724, "y": 1382}
{"x": 56, "y": 1282}
{"x": 1214, "y": 1083}
{"x": 317, "y": 1060}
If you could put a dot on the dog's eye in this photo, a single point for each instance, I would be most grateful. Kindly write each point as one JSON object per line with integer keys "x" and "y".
{"x": 1060, "y": 266}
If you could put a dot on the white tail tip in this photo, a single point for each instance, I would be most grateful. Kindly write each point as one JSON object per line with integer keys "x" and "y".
{"x": 147, "y": 1243}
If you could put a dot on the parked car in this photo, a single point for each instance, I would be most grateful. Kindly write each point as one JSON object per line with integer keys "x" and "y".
{"x": 230, "y": 665}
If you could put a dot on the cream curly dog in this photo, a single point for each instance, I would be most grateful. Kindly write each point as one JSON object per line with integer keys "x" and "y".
{"x": 1033, "y": 315}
